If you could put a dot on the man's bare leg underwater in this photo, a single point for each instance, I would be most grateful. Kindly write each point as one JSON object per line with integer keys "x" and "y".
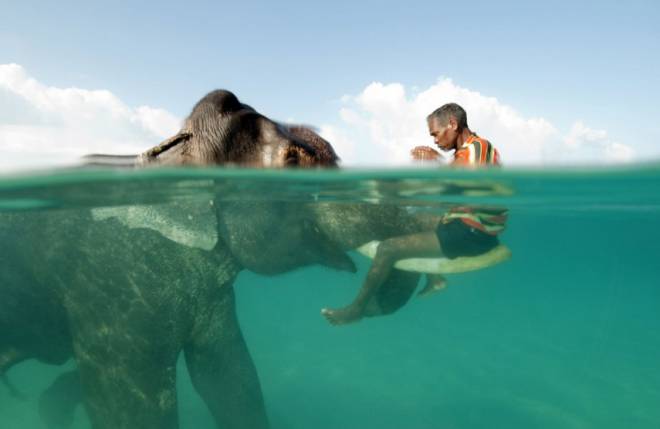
{"x": 420, "y": 245}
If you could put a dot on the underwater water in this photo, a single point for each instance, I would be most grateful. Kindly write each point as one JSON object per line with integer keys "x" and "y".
{"x": 565, "y": 334}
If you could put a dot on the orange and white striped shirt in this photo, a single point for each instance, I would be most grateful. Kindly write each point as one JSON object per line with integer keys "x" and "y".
{"x": 490, "y": 220}
{"x": 478, "y": 152}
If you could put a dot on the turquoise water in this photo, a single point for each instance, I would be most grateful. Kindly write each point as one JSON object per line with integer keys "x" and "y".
{"x": 566, "y": 334}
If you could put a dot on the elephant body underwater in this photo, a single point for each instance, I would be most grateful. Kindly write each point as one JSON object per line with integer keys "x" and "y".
{"x": 132, "y": 301}
{"x": 127, "y": 300}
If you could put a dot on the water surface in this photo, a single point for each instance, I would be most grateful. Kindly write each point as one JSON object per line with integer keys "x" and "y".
{"x": 566, "y": 334}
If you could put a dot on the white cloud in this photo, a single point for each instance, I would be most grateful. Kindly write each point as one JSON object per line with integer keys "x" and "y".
{"x": 44, "y": 126}
{"x": 583, "y": 145}
{"x": 380, "y": 125}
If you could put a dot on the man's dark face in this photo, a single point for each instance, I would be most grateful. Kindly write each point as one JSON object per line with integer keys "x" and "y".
{"x": 444, "y": 136}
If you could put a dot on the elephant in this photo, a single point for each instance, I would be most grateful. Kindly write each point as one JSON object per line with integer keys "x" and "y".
{"x": 123, "y": 298}
{"x": 127, "y": 313}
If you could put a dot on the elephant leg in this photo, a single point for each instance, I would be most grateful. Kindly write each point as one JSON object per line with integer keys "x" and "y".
{"x": 122, "y": 393}
{"x": 127, "y": 362}
{"x": 222, "y": 370}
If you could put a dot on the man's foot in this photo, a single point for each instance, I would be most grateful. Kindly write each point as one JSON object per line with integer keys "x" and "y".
{"x": 434, "y": 283}
{"x": 342, "y": 316}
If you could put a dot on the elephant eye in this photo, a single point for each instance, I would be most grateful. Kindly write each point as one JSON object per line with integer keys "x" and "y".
{"x": 292, "y": 158}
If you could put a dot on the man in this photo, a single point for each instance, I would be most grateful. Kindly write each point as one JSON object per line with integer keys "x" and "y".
{"x": 449, "y": 128}
{"x": 463, "y": 231}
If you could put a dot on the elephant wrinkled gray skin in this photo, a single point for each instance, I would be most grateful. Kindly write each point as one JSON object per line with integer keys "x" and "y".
{"x": 221, "y": 130}
{"x": 130, "y": 311}
{"x": 127, "y": 300}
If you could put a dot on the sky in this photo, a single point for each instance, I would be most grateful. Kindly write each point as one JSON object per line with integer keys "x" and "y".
{"x": 561, "y": 82}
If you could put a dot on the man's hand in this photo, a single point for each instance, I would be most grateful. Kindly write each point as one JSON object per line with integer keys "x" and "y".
{"x": 424, "y": 153}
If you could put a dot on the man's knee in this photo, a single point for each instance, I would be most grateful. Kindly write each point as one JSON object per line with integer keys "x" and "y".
{"x": 387, "y": 251}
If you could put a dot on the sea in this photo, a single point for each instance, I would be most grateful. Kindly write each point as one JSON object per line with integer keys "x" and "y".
{"x": 565, "y": 334}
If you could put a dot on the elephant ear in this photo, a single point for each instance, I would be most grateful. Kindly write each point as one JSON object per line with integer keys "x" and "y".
{"x": 315, "y": 150}
{"x": 393, "y": 294}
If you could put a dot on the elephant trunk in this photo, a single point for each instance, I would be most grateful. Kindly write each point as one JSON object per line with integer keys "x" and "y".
{"x": 114, "y": 161}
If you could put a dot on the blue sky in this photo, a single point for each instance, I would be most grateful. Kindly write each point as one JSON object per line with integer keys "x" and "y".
{"x": 565, "y": 61}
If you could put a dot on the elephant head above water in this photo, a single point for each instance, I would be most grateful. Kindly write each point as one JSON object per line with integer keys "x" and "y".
{"x": 222, "y": 130}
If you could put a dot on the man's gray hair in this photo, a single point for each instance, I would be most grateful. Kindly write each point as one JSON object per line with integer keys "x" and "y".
{"x": 449, "y": 110}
